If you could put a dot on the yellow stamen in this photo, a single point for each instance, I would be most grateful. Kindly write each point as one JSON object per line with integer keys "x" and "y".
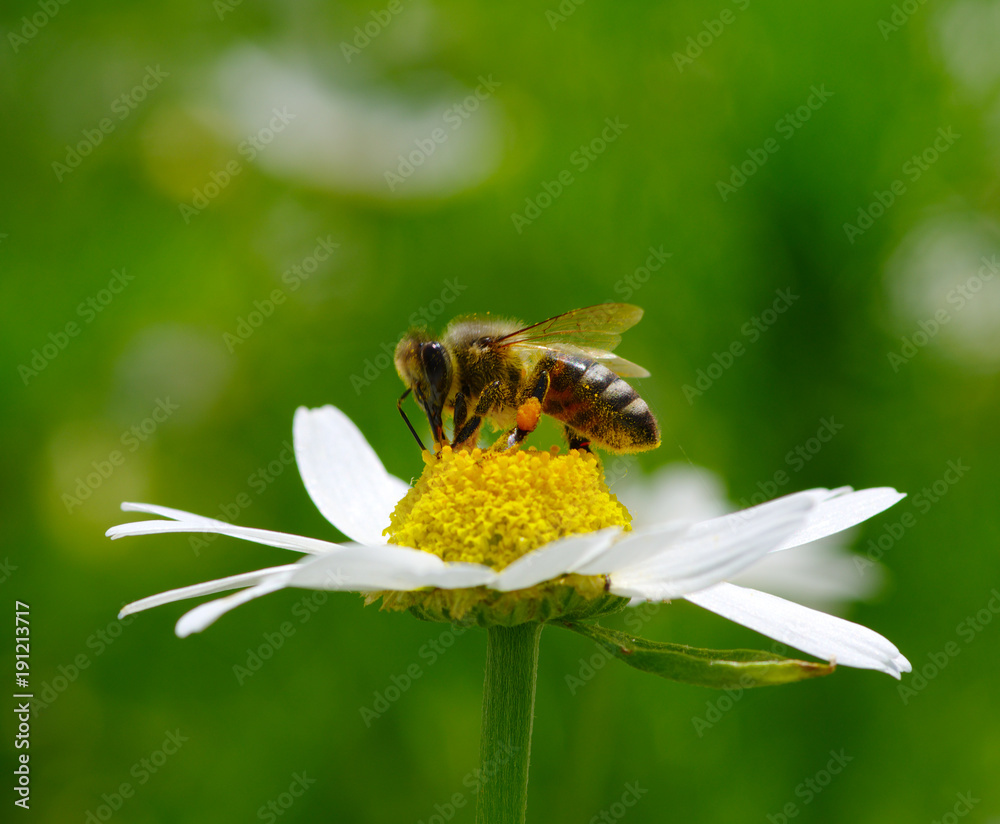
{"x": 491, "y": 508}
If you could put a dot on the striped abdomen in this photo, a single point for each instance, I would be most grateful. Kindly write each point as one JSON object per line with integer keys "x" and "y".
{"x": 593, "y": 401}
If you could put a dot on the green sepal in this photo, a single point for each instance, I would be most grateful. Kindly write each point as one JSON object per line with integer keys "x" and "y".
{"x": 509, "y": 609}
{"x": 721, "y": 669}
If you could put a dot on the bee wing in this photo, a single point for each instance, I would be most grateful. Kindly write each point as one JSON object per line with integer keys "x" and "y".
{"x": 595, "y": 327}
{"x": 619, "y": 366}
{"x": 622, "y": 367}
{"x": 591, "y": 332}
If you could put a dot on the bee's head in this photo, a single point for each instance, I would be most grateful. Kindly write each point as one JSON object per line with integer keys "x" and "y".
{"x": 425, "y": 367}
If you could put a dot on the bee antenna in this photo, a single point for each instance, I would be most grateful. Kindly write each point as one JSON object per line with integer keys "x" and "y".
{"x": 399, "y": 406}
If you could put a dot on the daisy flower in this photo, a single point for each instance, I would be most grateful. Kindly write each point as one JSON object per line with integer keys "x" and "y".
{"x": 513, "y": 540}
{"x": 523, "y": 537}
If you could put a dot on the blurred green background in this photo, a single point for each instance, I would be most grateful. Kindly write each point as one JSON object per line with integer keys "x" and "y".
{"x": 165, "y": 168}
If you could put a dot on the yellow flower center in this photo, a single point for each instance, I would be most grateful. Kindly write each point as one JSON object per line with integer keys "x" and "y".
{"x": 491, "y": 508}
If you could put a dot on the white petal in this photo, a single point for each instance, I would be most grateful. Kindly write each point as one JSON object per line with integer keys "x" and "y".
{"x": 846, "y": 643}
{"x": 244, "y": 579}
{"x": 352, "y": 568}
{"x": 343, "y": 475}
{"x": 706, "y": 556}
{"x": 168, "y": 512}
{"x": 634, "y": 548}
{"x": 566, "y": 555}
{"x": 841, "y": 512}
{"x": 365, "y": 569}
{"x": 267, "y": 537}
{"x": 204, "y": 615}
{"x": 734, "y": 518}
{"x": 837, "y": 510}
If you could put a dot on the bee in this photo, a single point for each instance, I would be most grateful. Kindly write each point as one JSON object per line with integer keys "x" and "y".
{"x": 487, "y": 369}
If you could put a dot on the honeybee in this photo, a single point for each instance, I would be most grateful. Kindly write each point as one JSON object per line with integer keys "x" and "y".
{"x": 487, "y": 369}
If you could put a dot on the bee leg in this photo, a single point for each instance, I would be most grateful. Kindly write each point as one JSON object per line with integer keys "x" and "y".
{"x": 467, "y": 435}
{"x": 461, "y": 412}
{"x": 529, "y": 412}
{"x": 576, "y": 440}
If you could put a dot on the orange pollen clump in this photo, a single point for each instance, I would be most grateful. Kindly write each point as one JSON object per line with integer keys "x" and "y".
{"x": 528, "y": 414}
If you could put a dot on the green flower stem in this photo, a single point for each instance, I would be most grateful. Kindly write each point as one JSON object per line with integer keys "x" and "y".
{"x": 508, "y": 710}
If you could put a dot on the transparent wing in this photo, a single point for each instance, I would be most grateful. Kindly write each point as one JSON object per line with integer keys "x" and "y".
{"x": 622, "y": 367}
{"x": 594, "y": 327}
{"x": 618, "y": 365}
{"x": 591, "y": 332}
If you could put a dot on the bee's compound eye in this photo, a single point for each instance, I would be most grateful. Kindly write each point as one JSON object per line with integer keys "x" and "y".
{"x": 433, "y": 357}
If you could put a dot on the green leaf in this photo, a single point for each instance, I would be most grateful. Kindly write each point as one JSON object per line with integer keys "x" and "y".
{"x": 721, "y": 669}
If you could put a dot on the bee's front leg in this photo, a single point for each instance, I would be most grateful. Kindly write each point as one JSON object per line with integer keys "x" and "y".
{"x": 467, "y": 432}
{"x": 529, "y": 411}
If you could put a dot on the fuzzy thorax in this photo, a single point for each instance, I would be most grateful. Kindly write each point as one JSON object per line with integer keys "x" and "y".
{"x": 491, "y": 508}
